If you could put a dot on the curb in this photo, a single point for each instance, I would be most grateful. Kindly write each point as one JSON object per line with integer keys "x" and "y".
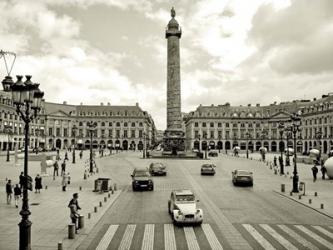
{"x": 286, "y": 196}
{"x": 75, "y": 244}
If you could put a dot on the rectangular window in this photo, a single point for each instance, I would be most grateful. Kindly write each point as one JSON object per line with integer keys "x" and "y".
{"x": 234, "y": 125}
{"x": 65, "y": 132}
{"x": 102, "y": 132}
{"x": 250, "y": 125}
{"x": 58, "y": 132}
{"x": 117, "y": 133}
{"x": 110, "y": 133}
{"x": 227, "y": 134}
{"x": 204, "y": 124}
{"x": 212, "y": 134}
{"x": 196, "y": 134}
{"x": 140, "y": 134}
{"x": 132, "y": 133}
{"x": 212, "y": 124}
{"x": 219, "y": 124}
{"x": 50, "y": 131}
{"x": 227, "y": 125}
{"x": 125, "y": 133}
{"x": 220, "y": 134}
{"x": 196, "y": 124}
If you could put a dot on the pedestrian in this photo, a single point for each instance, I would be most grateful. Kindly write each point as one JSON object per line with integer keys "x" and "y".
{"x": 68, "y": 178}
{"x": 314, "y": 172}
{"x": 66, "y": 156}
{"x": 17, "y": 194}
{"x": 81, "y": 154}
{"x": 63, "y": 167}
{"x": 275, "y": 161}
{"x": 323, "y": 171}
{"x": 21, "y": 180}
{"x": 55, "y": 168}
{"x": 9, "y": 191}
{"x": 74, "y": 207}
{"x": 64, "y": 182}
{"x": 38, "y": 183}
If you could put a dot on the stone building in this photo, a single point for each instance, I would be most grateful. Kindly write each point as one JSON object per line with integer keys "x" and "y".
{"x": 225, "y": 126}
{"x": 125, "y": 127}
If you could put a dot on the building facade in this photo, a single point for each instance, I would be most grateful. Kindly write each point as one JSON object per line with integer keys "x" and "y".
{"x": 123, "y": 127}
{"x": 225, "y": 126}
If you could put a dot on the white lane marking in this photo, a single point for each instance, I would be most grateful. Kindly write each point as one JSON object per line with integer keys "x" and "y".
{"x": 298, "y": 238}
{"x": 278, "y": 237}
{"x": 126, "y": 241}
{"x": 105, "y": 241}
{"x": 211, "y": 237}
{"x": 261, "y": 240}
{"x": 148, "y": 237}
{"x": 324, "y": 231}
{"x": 191, "y": 239}
{"x": 315, "y": 236}
{"x": 169, "y": 237}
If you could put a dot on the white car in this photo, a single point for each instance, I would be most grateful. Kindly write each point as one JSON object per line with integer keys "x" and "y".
{"x": 182, "y": 206}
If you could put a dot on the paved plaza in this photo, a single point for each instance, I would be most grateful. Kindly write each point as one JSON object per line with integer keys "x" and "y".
{"x": 234, "y": 217}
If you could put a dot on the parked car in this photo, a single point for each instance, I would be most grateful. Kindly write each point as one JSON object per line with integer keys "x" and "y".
{"x": 141, "y": 179}
{"x": 182, "y": 207}
{"x": 208, "y": 169}
{"x": 213, "y": 154}
{"x": 242, "y": 177}
{"x": 157, "y": 168}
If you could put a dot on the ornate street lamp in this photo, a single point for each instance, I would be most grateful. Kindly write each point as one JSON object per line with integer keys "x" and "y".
{"x": 91, "y": 128}
{"x": 295, "y": 127}
{"x": 248, "y": 136}
{"x": 27, "y": 98}
{"x": 74, "y": 129}
{"x": 281, "y": 130}
{"x": 8, "y": 131}
{"x": 289, "y": 136}
{"x": 144, "y": 146}
{"x": 318, "y": 135}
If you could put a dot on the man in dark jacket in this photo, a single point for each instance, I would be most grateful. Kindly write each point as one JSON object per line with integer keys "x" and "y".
{"x": 17, "y": 194}
{"x": 74, "y": 207}
{"x": 314, "y": 172}
{"x": 9, "y": 191}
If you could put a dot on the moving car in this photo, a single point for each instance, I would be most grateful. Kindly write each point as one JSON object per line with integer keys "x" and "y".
{"x": 141, "y": 179}
{"x": 157, "y": 168}
{"x": 182, "y": 207}
{"x": 213, "y": 154}
{"x": 242, "y": 177}
{"x": 208, "y": 169}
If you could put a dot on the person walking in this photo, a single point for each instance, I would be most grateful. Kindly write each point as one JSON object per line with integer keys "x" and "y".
{"x": 275, "y": 161}
{"x": 21, "y": 180}
{"x": 38, "y": 183}
{"x": 17, "y": 194}
{"x": 63, "y": 168}
{"x": 81, "y": 154}
{"x": 66, "y": 156}
{"x": 323, "y": 171}
{"x": 64, "y": 182}
{"x": 55, "y": 169}
{"x": 9, "y": 191}
{"x": 74, "y": 207}
{"x": 314, "y": 172}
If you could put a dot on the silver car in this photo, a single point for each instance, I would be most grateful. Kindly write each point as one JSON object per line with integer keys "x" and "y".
{"x": 208, "y": 169}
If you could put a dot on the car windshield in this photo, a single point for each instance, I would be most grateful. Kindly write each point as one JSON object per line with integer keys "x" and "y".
{"x": 243, "y": 172}
{"x": 158, "y": 165}
{"x": 188, "y": 197}
{"x": 141, "y": 174}
{"x": 207, "y": 166}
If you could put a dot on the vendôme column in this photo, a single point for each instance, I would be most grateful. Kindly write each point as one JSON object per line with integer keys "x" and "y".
{"x": 174, "y": 134}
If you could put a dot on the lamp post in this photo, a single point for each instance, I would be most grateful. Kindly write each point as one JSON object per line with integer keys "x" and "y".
{"x": 144, "y": 146}
{"x": 281, "y": 129}
{"x": 247, "y": 134}
{"x": 8, "y": 131}
{"x": 219, "y": 144}
{"x": 74, "y": 129}
{"x": 289, "y": 136}
{"x": 295, "y": 127}
{"x": 205, "y": 137}
{"x": 91, "y": 128}
{"x": 37, "y": 130}
{"x": 27, "y": 98}
{"x": 318, "y": 137}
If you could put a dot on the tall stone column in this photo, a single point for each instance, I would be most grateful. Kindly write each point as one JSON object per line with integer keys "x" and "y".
{"x": 174, "y": 135}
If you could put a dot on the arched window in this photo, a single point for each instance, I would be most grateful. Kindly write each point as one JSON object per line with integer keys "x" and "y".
{"x": 118, "y": 124}
{"x": 133, "y": 124}
{"x": 103, "y": 124}
{"x": 125, "y": 124}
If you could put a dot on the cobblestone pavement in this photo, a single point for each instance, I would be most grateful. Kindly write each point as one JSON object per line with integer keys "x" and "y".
{"x": 49, "y": 212}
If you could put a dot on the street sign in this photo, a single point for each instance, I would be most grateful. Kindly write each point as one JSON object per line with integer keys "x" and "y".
{"x": 29, "y": 183}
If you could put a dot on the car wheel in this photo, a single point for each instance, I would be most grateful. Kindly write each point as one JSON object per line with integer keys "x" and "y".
{"x": 152, "y": 188}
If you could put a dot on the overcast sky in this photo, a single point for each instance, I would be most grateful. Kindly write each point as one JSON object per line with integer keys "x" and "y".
{"x": 237, "y": 51}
